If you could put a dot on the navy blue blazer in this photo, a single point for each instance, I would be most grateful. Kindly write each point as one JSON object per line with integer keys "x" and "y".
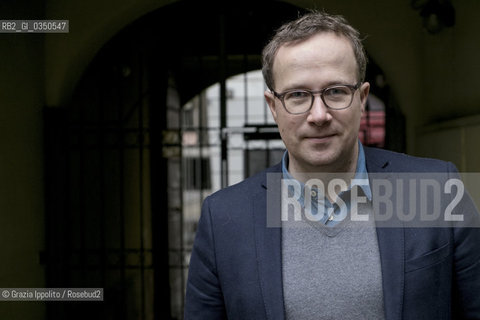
{"x": 236, "y": 271}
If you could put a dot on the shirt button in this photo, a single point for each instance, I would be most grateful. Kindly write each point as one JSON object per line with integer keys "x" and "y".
{"x": 313, "y": 193}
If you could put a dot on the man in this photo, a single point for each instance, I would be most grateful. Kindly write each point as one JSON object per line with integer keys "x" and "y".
{"x": 327, "y": 264}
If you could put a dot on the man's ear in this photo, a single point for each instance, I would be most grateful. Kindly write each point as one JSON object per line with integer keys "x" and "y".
{"x": 270, "y": 99}
{"x": 364, "y": 90}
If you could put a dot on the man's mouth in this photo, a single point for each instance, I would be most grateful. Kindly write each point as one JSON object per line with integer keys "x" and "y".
{"x": 320, "y": 138}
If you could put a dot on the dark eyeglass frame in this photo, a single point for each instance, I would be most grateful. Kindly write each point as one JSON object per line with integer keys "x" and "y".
{"x": 352, "y": 89}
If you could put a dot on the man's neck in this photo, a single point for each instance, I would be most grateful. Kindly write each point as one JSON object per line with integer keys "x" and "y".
{"x": 345, "y": 171}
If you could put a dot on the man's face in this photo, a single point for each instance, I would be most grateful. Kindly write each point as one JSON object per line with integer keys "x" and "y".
{"x": 321, "y": 140}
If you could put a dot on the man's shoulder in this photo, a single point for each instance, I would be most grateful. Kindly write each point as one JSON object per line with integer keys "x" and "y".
{"x": 391, "y": 161}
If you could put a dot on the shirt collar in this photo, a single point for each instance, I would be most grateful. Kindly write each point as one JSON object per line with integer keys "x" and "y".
{"x": 360, "y": 178}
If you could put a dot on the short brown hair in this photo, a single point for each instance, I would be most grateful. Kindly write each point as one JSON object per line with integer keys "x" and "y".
{"x": 305, "y": 27}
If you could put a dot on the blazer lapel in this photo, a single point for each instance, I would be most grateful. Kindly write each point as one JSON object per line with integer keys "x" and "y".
{"x": 269, "y": 248}
{"x": 391, "y": 245}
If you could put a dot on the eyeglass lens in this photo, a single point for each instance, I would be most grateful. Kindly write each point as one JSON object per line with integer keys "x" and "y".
{"x": 299, "y": 101}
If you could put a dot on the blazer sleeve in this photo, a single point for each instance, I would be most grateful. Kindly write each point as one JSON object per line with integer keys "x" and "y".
{"x": 204, "y": 298}
{"x": 466, "y": 291}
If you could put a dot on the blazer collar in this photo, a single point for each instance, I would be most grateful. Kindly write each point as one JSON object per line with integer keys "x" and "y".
{"x": 377, "y": 160}
{"x": 268, "y": 241}
{"x": 391, "y": 241}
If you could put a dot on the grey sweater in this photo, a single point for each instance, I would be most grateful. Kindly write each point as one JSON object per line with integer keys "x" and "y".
{"x": 332, "y": 272}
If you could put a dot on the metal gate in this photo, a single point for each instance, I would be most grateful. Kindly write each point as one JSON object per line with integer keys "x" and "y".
{"x": 143, "y": 141}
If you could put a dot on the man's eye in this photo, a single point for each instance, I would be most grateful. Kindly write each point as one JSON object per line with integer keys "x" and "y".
{"x": 337, "y": 91}
{"x": 297, "y": 95}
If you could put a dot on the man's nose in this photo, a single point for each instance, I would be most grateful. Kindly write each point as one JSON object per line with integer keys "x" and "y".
{"x": 319, "y": 113}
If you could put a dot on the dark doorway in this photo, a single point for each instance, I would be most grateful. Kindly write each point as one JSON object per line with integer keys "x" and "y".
{"x": 115, "y": 165}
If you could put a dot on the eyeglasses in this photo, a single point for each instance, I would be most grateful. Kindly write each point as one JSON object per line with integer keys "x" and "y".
{"x": 335, "y": 97}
